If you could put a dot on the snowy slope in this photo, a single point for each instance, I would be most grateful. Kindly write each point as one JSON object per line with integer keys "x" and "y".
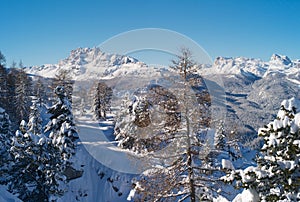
{"x": 101, "y": 181}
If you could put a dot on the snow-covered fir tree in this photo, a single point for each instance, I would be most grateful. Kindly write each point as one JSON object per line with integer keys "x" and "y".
{"x": 101, "y": 100}
{"x": 39, "y": 90}
{"x": 64, "y": 79}
{"x": 61, "y": 126}
{"x": 5, "y": 142}
{"x": 147, "y": 119}
{"x": 2, "y": 59}
{"x": 220, "y": 136}
{"x": 3, "y": 87}
{"x": 22, "y": 95}
{"x": 36, "y": 174}
{"x": 276, "y": 176}
{"x": 35, "y": 121}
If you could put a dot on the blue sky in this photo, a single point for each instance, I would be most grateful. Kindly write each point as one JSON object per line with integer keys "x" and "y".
{"x": 45, "y": 31}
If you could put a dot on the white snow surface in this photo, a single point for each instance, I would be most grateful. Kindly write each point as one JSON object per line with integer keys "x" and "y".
{"x": 248, "y": 195}
{"x": 100, "y": 182}
{"x": 226, "y": 164}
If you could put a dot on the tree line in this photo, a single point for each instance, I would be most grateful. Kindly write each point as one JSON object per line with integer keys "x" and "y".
{"x": 36, "y": 159}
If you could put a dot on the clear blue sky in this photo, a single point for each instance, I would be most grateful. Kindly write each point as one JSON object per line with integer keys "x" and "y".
{"x": 45, "y": 31}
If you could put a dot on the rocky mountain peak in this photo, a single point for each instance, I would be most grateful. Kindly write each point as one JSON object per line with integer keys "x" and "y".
{"x": 280, "y": 60}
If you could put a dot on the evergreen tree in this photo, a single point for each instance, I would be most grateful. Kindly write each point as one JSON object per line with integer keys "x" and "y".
{"x": 35, "y": 121}
{"x": 13, "y": 65}
{"x": 39, "y": 90}
{"x": 148, "y": 120}
{"x": 101, "y": 102}
{"x": 11, "y": 86}
{"x": 36, "y": 171}
{"x": 2, "y": 59}
{"x": 276, "y": 176}
{"x": 63, "y": 78}
{"x": 5, "y": 142}
{"x": 3, "y": 87}
{"x": 21, "y": 66}
{"x": 61, "y": 126}
{"x": 220, "y": 137}
{"x": 23, "y": 88}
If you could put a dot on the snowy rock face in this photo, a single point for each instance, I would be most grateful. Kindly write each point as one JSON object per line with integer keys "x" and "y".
{"x": 85, "y": 63}
{"x": 240, "y": 65}
{"x": 280, "y": 60}
{"x": 254, "y": 68}
{"x": 94, "y": 56}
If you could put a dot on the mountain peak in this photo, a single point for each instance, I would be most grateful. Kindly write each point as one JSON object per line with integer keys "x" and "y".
{"x": 239, "y": 65}
{"x": 95, "y": 57}
{"x": 280, "y": 60}
{"x": 85, "y": 63}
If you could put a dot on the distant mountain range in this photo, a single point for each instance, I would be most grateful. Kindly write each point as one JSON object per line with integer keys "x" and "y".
{"x": 254, "y": 88}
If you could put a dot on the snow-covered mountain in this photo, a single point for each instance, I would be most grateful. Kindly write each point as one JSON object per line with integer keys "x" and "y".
{"x": 92, "y": 63}
{"x": 256, "y": 68}
{"x": 83, "y": 63}
{"x": 240, "y": 65}
{"x": 253, "y": 87}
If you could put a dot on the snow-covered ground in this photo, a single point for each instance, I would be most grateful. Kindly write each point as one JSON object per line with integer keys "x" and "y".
{"x": 104, "y": 178}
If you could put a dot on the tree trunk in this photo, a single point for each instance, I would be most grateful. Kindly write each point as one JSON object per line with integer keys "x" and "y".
{"x": 189, "y": 152}
{"x": 189, "y": 164}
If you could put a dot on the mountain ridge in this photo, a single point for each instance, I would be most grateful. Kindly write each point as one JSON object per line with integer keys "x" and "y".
{"x": 102, "y": 64}
{"x": 262, "y": 84}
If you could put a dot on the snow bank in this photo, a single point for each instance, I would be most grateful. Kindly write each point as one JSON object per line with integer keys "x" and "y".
{"x": 248, "y": 195}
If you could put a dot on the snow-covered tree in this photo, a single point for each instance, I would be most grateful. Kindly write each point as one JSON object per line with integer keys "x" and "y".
{"x": 39, "y": 90}
{"x": 22, "y": 95}
{"x": 36, "y": 174}
{"x": 64, "y": 79}
{"x": 5, "y": 142}
{"x": 220, "y": 137}
{"x": 61, "y": 126}
{"x": 2, "y": 59}
{"x": 21, "y": 66}
{"x": 183, "y": 172}
{"x": 101, "y": 100}
{"x": 3, "y": 86}
{"x": 147, "y": 120}
{"x": 276, "y": 176}
{"x": 35, "y": 121}
{"x": 13, "y": 65}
